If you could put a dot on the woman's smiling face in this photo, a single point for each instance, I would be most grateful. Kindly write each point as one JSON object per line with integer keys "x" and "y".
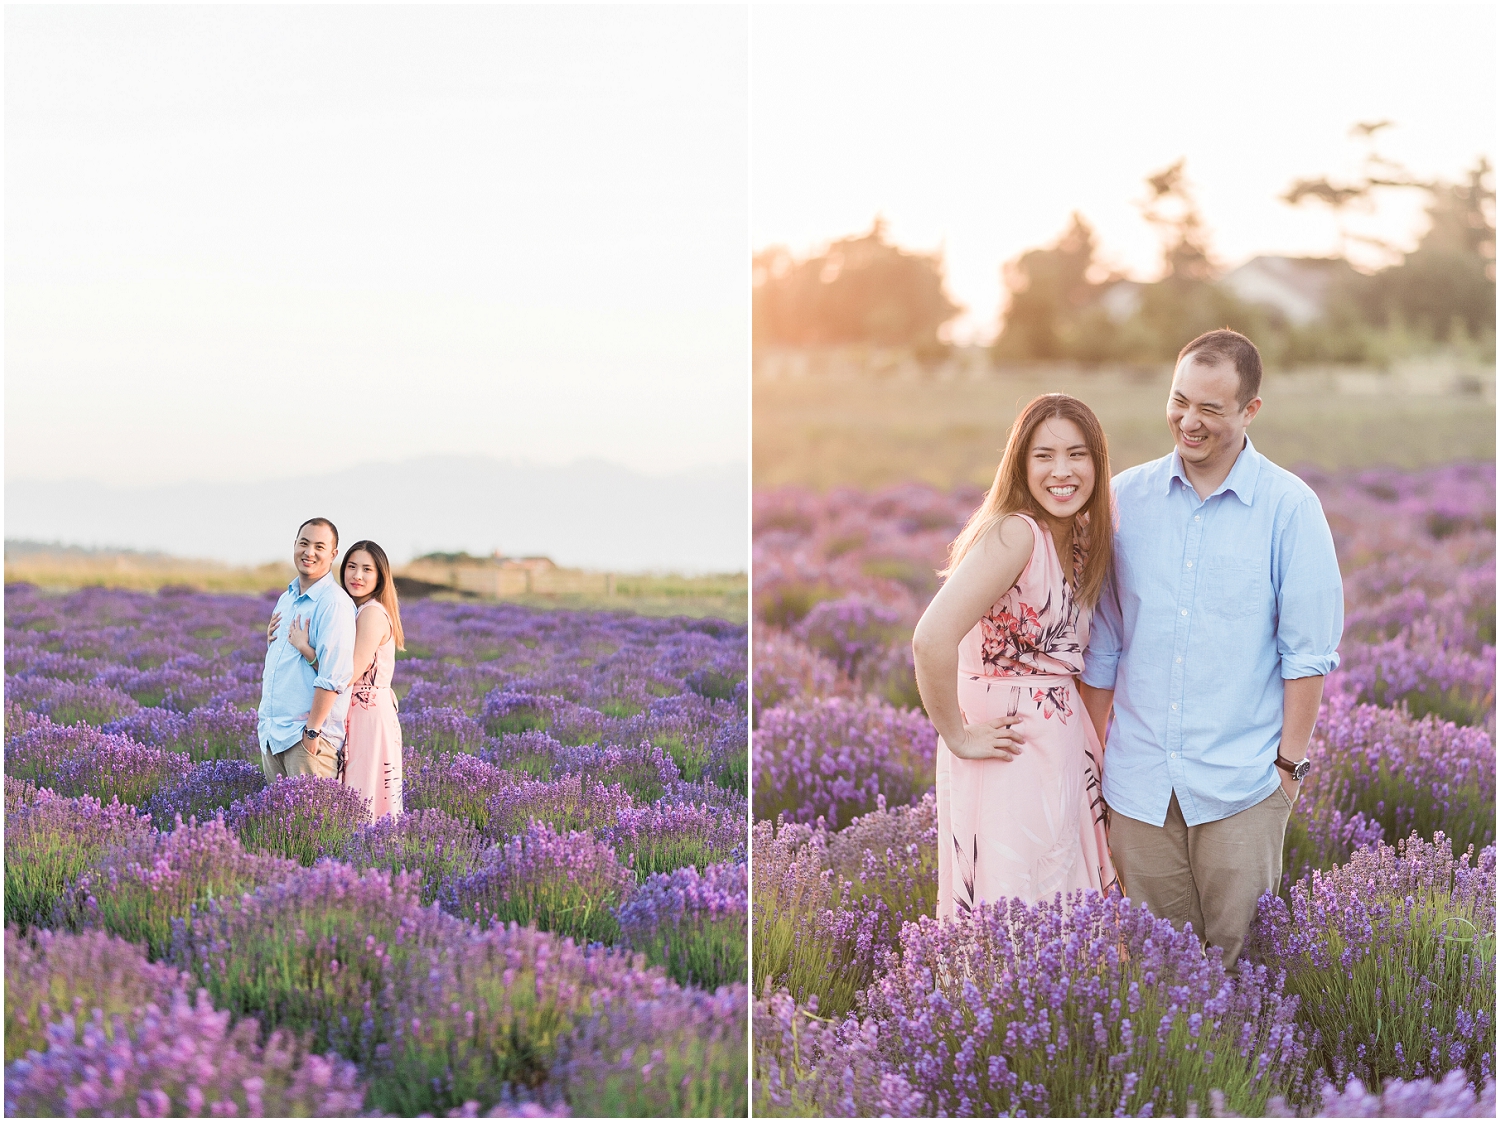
{"x": 1060, "y": 468}
{"x": 360, "y": 574}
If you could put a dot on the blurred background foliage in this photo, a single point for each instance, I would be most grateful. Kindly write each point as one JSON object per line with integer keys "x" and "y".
{"x": 1062, "y": 305}
{"x": 861, "y": 289}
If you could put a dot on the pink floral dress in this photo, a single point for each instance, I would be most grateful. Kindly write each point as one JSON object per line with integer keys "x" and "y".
{"x": 372, "y": 737}
{"x": 1033, "y": 826}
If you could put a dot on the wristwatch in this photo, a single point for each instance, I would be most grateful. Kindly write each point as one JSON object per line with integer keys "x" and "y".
{"x": 311, "y": 734}
{"x": 1298, "y": 771}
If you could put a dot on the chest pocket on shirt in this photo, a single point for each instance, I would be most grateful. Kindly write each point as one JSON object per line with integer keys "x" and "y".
{"x": 1238, "y": 588}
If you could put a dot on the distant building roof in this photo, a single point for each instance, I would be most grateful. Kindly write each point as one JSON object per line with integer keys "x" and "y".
{"x": 1295, "y": 286}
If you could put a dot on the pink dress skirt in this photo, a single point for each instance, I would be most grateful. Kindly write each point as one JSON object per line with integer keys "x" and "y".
{"x": 1033, "y": 826}
{"x": 372, "y": 732}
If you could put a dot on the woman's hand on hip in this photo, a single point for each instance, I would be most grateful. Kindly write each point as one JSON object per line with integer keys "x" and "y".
{"x": 989, "y": 740}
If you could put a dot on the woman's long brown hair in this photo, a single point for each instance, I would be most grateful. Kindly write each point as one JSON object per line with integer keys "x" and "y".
{"x": 1009, "y": 494}
{"x": 385, "y": 586}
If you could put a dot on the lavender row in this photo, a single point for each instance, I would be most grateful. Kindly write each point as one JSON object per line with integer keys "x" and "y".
{"x": 300, "y": 977}
{"x": 582, "y": 772}
{"x": 1379, "y": 973}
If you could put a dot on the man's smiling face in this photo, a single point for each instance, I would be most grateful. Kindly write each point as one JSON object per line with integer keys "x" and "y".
{"x": 1208, "y": 423}
{"x": 314, "y": 552}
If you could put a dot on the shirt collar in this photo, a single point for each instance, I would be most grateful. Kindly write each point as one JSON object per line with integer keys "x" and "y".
{"x": 315, "y": 590}
{"x": 1240, "y": 480}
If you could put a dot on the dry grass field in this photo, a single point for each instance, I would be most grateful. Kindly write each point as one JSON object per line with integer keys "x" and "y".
{"x": 822, "y": 431}
{"x": 62, "y": 570}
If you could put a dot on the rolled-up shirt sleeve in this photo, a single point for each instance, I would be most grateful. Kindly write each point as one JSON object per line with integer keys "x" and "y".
{"x": 1106, "y": 634}
{"x": 1310, "y": 594}
{"x": 334, "y": 643}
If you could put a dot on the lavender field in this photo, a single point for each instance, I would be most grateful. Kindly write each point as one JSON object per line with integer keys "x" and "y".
{"x": 556, "y": 926}
{"x": 1372, "y": 991}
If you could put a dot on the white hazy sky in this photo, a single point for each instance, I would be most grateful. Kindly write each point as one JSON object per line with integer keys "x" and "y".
{"x": 978, "y": 129}
{"x": 246, "y": 242}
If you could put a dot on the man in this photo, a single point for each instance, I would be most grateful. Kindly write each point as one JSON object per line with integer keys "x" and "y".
{"x": 302, "y": 704}
{"x": 1211, "y": 641}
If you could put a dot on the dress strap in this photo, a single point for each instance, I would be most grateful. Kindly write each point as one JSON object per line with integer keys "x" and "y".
{"x": 1036, "y": 543}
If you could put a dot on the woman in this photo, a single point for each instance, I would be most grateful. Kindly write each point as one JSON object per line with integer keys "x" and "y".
{"x": 1019, "y": 806}
{"x": 372, "y": 732}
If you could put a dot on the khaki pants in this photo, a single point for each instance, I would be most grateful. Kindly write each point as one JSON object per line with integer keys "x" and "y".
{"x": 1209, "y": 875}
{"x": 296, "y": 761}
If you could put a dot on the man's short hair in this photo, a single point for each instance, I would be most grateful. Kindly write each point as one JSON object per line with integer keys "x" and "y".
{"x": 1223, "y": 345}
{"x": 332, "y": 529}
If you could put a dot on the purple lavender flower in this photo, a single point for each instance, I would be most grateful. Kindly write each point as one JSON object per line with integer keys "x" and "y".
{"x": 460, "y": 784}
{"x": 314, "y": 952}
{"x": 568, "y": 803}
{"x": 512, "y": 711}
{"x": 1450, "y": 1097}
{"x": 479, "y": 1019}
{"x": 53, "y": 839}
{"x": 532, "y": 753}
{"x": 186, "y": 1060}
{"x": 667, "y": 836}
{"x": 645, "y": 771}
{"x": 427, "y": 843}
{"x": 70, "y": 703}
{"x": 1388, "y": 770}
{"x": 811, "y": 933}
{"x": 442, "y": 729}
{"x": 50, "y": 974}
{"x": 692, "y": 923}
{"x": 138, "y": 889}
{"x": 834, "y": 757}
{"x": 210, "y": 732}
{"x": 1392, "y": 957}
{"x": 211, "y": 786}
{"x": 850, "y": 632}
{"x": 567, "y": 883}
{"x": 729, "y": 758}
{"x": 122, "y": 769}
{"x": 39, "y": 749}
{"x": 678, "y": 1053}
{"x": 303, "y": 817}
{"x": 18, "y": 793}
{"x": 807, "y": 1065}
{"x": 1080, "y": 1006}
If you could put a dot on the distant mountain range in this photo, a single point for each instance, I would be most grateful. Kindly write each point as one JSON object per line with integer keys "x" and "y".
{"x": 588, "y": 514}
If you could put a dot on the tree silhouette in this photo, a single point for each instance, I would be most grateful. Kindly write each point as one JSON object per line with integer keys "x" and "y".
{"x": 861, "y": 289}
{"x": 1173, "y": 210}
{"x": 1448, "y": 281}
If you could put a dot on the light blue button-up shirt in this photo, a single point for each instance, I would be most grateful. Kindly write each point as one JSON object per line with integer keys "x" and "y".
{"x": 1211, "y": 605}
{"x": 286, "y": 690}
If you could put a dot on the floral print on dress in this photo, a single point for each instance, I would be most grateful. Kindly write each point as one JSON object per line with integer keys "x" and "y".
{"x": 1018, "y": 637}
{"x": 1053, "y": 700}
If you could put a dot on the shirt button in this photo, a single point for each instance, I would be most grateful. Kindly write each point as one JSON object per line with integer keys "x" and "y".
{"x": 1174, "y": 706}
{"x": 1179, "y": 658}
{"x": 1197, "y": 518}
{"x": 1184, "y": 611}
{"x": 1174, "y": 755}
{"x": 1190, "y": 564}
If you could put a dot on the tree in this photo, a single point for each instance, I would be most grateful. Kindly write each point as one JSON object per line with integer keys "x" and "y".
{"x": 1055, "y": 312}
{"x": 1447, "y": 283}
{"x": 1048, "y": 289}
{"x": 861, "y": 289}
{"x": 1173, "y": 210}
